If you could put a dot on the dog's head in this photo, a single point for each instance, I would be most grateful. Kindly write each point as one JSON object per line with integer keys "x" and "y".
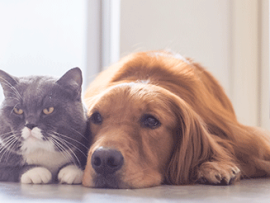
{"x": 143, "y": 135}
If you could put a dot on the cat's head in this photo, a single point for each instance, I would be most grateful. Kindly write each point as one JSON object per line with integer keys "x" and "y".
{"x": 43, "y": 112}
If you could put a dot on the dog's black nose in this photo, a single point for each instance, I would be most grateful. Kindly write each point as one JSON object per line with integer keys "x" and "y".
{"x": 106, "y": 161}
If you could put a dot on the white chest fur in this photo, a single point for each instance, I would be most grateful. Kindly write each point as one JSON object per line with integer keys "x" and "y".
{"x": 50, "y": 160}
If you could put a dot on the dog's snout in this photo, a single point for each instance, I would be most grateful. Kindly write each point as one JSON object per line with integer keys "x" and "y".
{"x": 106, "y": 161}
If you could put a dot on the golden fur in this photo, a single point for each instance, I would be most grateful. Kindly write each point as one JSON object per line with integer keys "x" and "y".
{"x": 199, "y": 138}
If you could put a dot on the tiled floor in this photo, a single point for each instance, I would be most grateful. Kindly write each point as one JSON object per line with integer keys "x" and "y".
{"x": 257, "y": 190}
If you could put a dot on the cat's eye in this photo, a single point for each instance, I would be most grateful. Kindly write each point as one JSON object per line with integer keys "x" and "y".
{"x": 18, "y": 111}
{"x": 96, "y": 118}
{"x": 48, "y": 111}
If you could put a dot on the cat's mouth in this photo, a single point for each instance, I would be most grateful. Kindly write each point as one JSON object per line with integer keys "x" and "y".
{"x": 32, "y": 134}
{"x": 32, "y": 137}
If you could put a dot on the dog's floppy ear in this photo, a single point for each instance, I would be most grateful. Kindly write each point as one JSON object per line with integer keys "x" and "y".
{"x": 194, "y": 144}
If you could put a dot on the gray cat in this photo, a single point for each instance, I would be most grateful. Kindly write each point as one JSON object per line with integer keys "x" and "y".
{"x": 43, "y": 129}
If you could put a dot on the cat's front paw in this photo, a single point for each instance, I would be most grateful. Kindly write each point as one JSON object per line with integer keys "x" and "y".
{"x": 70, "y": 174}
{"x": 37, "y": 175}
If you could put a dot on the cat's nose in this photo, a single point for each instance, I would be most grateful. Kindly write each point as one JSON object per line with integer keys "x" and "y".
{"x": 30, "y": 125}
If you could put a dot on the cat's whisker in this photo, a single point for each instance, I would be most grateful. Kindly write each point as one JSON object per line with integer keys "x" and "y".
{"x": 64, "y": 142}
{"x": 7, "y": 139}
{"x": 67, "y": 142}
{"x": 2, "y": 148}
{"x": 58, "y": 144}
{"x": 12, "y": 133}
{"x": 78, "y": 133}
{"x": 2, "y": 151}
{"x": 13, "y": 143}
{"x": 55, "y": 133}
{"x": 61, "y": 147}
{"x": 5, "y": 134}
{"x": 7, "y": 146}
{"x": 62, "y": 150}
{"x": 71, "y": 152}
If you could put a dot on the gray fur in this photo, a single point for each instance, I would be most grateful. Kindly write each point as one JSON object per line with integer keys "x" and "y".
{"x": 66, "y": 127}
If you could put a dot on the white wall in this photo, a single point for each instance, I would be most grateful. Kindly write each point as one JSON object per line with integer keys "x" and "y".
{"x": 199, "y": 29}
{"x": 265, "y": 73}
{"x": 44, "y": 37}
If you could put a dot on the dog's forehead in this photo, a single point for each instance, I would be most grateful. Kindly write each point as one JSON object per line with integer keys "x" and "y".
{"x": 132, "y": 92}
{"x": 130, "y": 96}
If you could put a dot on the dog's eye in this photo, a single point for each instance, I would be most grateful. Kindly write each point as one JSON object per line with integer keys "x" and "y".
{"x": 150, "y": 121}
{"x": 96, "y": 118}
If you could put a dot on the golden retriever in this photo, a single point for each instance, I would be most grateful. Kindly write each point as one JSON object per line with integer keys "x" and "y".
{"x": 158, "y": 118}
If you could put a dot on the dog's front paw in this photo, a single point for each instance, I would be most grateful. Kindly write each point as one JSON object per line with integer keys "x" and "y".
{"x": 70, "y": 174}
{"x": 37, "y": 175}
{"x": 217, "y": 173}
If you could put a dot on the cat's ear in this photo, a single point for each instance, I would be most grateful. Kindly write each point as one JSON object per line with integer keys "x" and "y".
{"x": 8, "y": 82}
{"x": 72, "y": 81}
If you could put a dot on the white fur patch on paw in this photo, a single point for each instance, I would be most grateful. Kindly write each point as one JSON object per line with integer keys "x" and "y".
{"x": 70, "y": 174}
{"x": 37, "y": 175}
